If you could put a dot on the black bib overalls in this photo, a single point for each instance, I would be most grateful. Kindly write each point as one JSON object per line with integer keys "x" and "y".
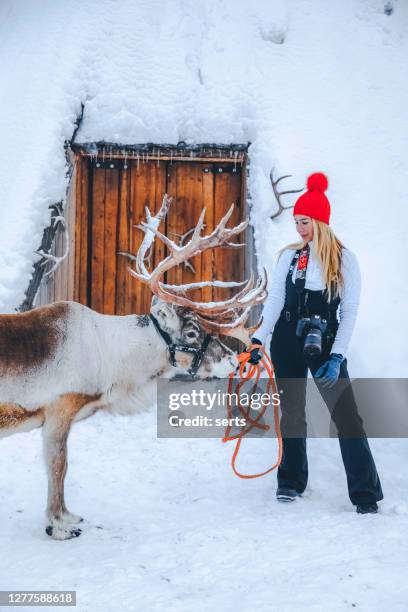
{"x": 291, "y": 367}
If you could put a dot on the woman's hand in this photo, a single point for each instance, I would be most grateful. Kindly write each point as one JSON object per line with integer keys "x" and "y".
{"x": 256, "y": 356}
{"x": 328, "y": 373}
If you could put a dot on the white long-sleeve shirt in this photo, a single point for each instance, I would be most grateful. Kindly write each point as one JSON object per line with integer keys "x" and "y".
{"x": 349, "y": 294}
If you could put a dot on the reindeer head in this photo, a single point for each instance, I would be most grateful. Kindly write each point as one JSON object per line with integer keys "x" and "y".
{"x": 185, "y": 330}
{"x": 191, "y": 323}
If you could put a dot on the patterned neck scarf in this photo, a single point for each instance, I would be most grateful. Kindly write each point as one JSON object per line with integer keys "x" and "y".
{"x": 302, "y": 266}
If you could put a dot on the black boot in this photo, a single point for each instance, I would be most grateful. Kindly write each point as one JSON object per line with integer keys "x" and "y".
{"x": 286, "y": 495}
{"x": 367, "y": 508}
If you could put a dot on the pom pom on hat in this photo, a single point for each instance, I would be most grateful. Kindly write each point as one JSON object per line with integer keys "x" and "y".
{"x": 317, "y": 181}
{"x": 314, "y": 203}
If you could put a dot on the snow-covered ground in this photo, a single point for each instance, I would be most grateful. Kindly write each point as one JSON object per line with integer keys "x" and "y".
{"x": 170, "y": 528}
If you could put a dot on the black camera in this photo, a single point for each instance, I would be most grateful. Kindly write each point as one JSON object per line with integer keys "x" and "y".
{"x": 312, "y": 328}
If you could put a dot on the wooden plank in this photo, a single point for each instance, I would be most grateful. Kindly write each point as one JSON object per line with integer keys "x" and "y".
{"x": 82, "y": 251}
{"x": 228, "y": 263}
{"x": 110, "y": 245}
{"x": 135, "y": 171}
{"x": 70, "y": 216}
{"x": 237, "y": 256}
{"x": 98, "y": 239}
{"x": 123, "y": 282}
{"x": 172, "y": 220}
{"x": 139, "y": 199}
{"x": 80, "y": 162}
{"x": 76, "y": 232}
{"x": 207, "y": 260}
{"x": 194, "y": 205}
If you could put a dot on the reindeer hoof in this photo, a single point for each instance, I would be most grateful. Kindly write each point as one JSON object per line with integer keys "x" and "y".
{"x": 58, "y": 532}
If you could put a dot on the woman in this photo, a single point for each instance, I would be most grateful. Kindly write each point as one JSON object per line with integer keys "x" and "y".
{"x": 314, "y": 278}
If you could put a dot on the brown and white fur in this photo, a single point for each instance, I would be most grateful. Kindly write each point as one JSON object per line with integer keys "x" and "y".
{"x": 62, "y": 362}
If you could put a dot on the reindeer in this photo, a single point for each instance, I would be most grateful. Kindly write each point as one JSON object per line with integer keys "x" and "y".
{"x": 63, "y": 362}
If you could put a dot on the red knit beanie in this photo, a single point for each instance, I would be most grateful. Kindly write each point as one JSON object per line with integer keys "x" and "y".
{"x": 314, "y": 203}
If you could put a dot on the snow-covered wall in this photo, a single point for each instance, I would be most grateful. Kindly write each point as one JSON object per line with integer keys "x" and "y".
{"x": 313, "y": 85}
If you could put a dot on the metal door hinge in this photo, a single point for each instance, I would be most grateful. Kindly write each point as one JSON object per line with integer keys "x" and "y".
{"x": 224, "y": 169}
{"x": 111, "y": 164}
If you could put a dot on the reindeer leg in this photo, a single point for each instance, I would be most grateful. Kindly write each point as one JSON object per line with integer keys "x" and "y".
{"x": 55, "y": 434}
{"x": 58, "y": 419}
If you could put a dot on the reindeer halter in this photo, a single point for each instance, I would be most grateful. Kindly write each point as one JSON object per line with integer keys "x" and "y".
{"x": 197, "y": 352}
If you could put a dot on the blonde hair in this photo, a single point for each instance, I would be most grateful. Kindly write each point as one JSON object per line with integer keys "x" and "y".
{"x": 328, "y": 249}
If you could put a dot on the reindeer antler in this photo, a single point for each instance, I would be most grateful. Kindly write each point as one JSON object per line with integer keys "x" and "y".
{"x": 278, "y": 194}
{"x": 182, "y": 238}
{"x": 47, "y": 257}
{"x": 223, "y": 316}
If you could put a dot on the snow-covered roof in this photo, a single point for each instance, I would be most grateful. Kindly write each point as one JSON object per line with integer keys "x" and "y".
{"x": 313, "y": 85}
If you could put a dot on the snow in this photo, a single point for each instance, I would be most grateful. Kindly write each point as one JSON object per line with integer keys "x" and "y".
{"x": 169, "y": 527}
{"x": 313, "y": 86}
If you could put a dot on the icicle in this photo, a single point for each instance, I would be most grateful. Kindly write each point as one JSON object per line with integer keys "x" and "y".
{"x": 235, "y": 160}
{"x": 125, "y": 166}
{"x": 138, "y": 160}
{"x": 158, "y": 157}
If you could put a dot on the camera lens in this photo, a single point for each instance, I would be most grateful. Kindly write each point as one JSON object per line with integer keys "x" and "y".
{"x": 313, "y": 343}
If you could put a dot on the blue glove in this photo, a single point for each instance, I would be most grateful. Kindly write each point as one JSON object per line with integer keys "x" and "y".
{"x": 328, "y": 373}
{"x": 256, "y": 356}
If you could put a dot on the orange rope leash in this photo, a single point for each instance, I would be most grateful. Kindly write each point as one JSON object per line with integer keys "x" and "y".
{"x": 251, "y": 423}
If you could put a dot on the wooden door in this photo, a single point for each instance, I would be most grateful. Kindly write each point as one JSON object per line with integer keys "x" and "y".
{"x": 115, "y": 200}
